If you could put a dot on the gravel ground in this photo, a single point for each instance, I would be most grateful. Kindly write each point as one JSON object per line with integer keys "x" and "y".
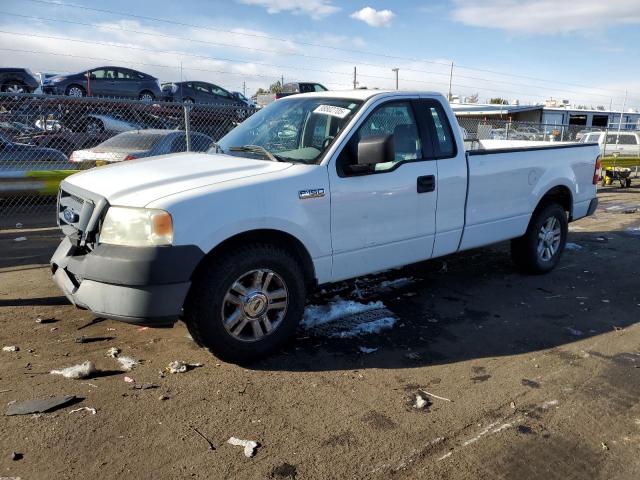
{"x": 519, "y": 377}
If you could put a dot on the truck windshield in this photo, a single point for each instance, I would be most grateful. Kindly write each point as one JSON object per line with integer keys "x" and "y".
{"x": 291, "y": 130}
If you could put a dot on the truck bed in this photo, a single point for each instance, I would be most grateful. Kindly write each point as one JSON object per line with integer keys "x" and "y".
{"x": 507, "y": 178}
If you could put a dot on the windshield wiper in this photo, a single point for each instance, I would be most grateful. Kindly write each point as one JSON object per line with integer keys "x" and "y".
{"x": 256, "y": 149}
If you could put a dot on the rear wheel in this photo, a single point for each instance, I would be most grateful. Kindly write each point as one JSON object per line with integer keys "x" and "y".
{"x": 147, "y": 96}
{"x": 245, "y": 304}
{"x": 94, "y": 126}
{"x": 539, "y": 249}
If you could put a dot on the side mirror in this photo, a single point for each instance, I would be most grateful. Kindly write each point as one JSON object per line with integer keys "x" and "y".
{"x": 376, "y": 149}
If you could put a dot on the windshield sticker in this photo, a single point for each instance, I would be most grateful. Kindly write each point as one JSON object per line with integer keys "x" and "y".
{"x": 333, "y": 111}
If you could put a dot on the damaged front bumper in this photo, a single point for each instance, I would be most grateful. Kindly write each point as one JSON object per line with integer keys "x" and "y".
{"x": 142, "y": 285}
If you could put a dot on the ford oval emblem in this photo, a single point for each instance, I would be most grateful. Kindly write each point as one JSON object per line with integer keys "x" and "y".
{"x": 69, "y": 215}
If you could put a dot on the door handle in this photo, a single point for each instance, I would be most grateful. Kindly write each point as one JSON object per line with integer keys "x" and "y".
{"x": 426, "y": 183}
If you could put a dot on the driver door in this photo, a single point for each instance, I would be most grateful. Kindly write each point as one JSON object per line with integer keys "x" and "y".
{"x": 385, "y": 217}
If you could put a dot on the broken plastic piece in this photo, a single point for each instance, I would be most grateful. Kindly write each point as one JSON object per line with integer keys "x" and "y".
{"x": 178, "y": 366}
{"x": 91, "y": 410}
{"x": 127, "y": 363}
{"x": 10, "y": 348}
{"x": 250, "y": 446}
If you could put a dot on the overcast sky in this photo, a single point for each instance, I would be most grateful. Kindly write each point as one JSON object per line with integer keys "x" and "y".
{"x": 585, "y": 51}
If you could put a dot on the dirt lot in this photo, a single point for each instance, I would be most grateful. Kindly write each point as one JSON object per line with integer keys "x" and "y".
{"x": 542, "y": 374}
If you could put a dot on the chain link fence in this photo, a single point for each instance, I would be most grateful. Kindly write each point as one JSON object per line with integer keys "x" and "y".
{"x": 45, "y": 138}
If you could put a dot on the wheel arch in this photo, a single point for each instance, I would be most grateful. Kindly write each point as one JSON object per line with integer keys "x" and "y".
{"x": 560, "y": 194}
{"x": 267, "y": 236}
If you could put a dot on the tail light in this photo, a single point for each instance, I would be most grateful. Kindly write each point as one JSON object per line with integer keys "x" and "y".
{"x": 597, "y": 171}
{"x": 130, "y": 157}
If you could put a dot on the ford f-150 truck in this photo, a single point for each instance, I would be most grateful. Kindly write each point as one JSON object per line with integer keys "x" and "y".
{"x": 313, "y": 189}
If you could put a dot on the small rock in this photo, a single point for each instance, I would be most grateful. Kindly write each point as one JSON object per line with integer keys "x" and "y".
{"x": 16, "y": 456}
{"x": 129, "y": 380}
{"x": 512, "y": 404}
{"x": 45, "y": 320}
{"x": 250, "y": 446}
{"x": 10, "y": 348}
{"x": 604, "y": 446}
{"x": 164, "y": 396}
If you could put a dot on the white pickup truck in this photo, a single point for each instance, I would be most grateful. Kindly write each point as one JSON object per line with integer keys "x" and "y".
{"x": 313, "y": 189}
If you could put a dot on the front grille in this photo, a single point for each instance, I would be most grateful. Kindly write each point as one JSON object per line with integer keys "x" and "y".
{"x": 70, "y": 208}
{"x": 79, "y": 212}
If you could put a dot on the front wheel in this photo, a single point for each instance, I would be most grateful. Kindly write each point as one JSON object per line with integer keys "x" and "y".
{"x": 147, "y": 96}
{"x": 539, "y": 249}
{"x": 245, "y": 304}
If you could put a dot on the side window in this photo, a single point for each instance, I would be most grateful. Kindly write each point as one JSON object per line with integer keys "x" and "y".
{"x": 396, "y": 119}
{"x": 319, "y": 88}
{"x": 201, "y": 88}
{"x": 179, "y": 144}
{"x": 628, "y": 140}
{"x": 99, "y": 74}
{"x": 220, "y": 91}
{"x": 444, "y": 144}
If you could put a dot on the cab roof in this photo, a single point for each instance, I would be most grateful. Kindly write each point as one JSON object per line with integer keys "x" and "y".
{"x": 362, "y": 94}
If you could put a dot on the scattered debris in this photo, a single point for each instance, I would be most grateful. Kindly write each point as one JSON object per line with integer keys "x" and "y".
{"x": 446, "y": 455}
{"x": 412, "y": 356}
{"x": 127, "y": 363}
{"x": 46, "y": 320}
{"x": 549, "y": 403}
{"x": 630, "y": 210}
{"x": 10, "y": 348}
{"x": 83, "y": 339}
{"x": 524, "y": 429}
{"x": 618, "y": 329}
{"x": 420, "y": 402}
{"x": 604, "y": 446}
{"x": 211, "y": 447}
{"x": 436, "y": 396}
{"x": 367, "y": 350}
{"x": 164, "y": 396}
{"x": 529, "y": 383}
{"x": 129, "y": 380}
{"x": 113, "y": 352}
{"x": 145, "y": 386}
{"x": 574, "y": 332}
{"x": 15, "y": 456}
{"x": 178, "y": 366}
{"x": 82, "y": 370}
{"x": 142, "y": 329}
{"x": 40, "y": 405}
{"x": 249, "y": 446}
{"x": 573, "y": 246}
{"x": 512, "y": 404}
{"x": 19, "y": 225}
{"x": 91, "y": 410}
{"x": 604, "y": 300}
{"x": 19, "y": 239}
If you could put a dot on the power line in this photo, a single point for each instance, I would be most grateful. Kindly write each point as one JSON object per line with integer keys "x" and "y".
{"x": 584, "y": 94}
{"x": 269, "y": 37}
{"x": 255, "y": 35}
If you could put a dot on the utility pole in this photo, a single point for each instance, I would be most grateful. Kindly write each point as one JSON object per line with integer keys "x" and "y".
{"x": 396, "y": 70}
{"x": 355, "y": 78}
{"x": 624, "y": 104}
{"x": 450, "y": 81}
{"x": 244, "y": 89}
{"x": 282, "y": 80}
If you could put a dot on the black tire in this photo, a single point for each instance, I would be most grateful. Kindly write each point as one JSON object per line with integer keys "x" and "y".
{"x": 75, "y": 91}
{"x": 524, "y": 250}
{"x": 93, "y": 126}
{"x": 204, "y": 307}
{"x": 147, "y": 96}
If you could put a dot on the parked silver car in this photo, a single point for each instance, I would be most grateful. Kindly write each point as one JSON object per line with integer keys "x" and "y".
{"x": 139, "y": 144}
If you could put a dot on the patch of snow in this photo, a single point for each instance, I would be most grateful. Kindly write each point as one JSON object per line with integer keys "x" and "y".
{"x": 367, "y": 350}
{"x": 127, "y": 363}
{"x": 574, "y": 332}
{"x": 82, "y": 370}
{"x": 573, "y": 246}
{"x": 397, "y": 283}
{"x": 249, "y": 446}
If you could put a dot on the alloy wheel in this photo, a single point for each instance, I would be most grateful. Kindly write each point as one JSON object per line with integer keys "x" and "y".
{"x": 255, "y": 305}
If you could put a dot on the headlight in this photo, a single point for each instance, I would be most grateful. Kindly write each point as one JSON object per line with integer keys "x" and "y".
{"x": 137, "y": 227}
{"x": 57, "y": 79}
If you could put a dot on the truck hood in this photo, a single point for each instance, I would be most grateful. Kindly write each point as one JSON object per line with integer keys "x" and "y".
{"x": 136, "y": 183}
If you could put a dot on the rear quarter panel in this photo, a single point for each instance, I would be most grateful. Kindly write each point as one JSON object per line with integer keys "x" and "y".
{"x": 505, "y": 187}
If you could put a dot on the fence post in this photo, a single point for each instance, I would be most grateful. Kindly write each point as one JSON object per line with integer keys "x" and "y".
{"x": 187, "y": 126}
